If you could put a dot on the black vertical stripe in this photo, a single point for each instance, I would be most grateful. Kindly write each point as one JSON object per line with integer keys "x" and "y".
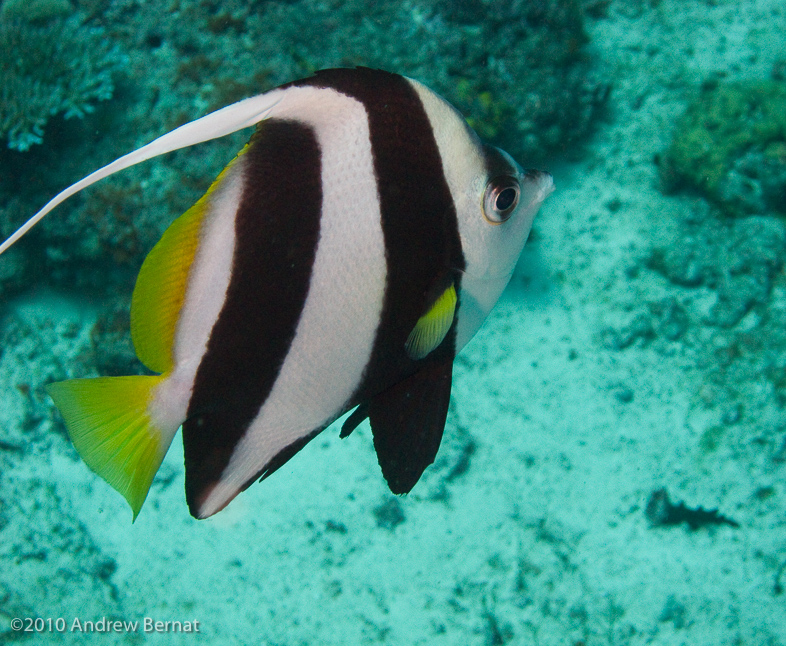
{"x": 419, "y": 221}
{"x": 276, "y": 235}
{"x": 406, "y": 400}
{"x": 277, "y": 232}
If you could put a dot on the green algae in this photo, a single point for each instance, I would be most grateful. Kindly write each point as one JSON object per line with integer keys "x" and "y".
{"x": 487, "y": 115}
{"x": 730, "y": 145}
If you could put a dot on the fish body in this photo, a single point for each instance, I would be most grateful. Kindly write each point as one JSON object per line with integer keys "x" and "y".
{"x": 339, "y": 262}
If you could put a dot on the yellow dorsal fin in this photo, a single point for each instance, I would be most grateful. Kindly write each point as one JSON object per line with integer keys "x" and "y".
{"x": 432, "y": 327}
{"x": 161, "y": 284}
{"x": 109, "y": 424}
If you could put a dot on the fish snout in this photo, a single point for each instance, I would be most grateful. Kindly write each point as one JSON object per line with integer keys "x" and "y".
{"x": 536, "y": 186}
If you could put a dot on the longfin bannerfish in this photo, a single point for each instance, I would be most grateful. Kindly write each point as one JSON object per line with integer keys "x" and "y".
{"x": 339, "y": 262}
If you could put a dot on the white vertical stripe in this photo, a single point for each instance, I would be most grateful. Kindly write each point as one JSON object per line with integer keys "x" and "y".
{"x": 205, "y": 294}
{"x": 465, "y": 172}
{"x": 490, "y": 251}
{"x": 335, "y": 334}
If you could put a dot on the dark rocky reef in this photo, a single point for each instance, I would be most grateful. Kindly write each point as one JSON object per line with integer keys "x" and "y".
{"x": 515, "y": 68}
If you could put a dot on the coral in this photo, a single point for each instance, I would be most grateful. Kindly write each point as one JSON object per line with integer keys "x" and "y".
{"x": 730, "y": 145}
{"x": 65, "y": 69}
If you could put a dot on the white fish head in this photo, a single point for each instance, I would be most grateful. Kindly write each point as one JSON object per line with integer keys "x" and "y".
{"x": 496, "y": 215}
{"x": 496, "y": 201}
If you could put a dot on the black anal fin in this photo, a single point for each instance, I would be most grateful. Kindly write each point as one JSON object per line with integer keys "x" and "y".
{"x": 407, "y": 421}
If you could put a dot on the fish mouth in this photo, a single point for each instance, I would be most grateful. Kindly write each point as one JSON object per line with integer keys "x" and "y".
{"x": 540, "y": 183}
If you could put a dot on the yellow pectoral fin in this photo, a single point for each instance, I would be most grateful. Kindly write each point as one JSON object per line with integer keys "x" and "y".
{"x": 111, "y": 429}
{"x": 432, "y": 327}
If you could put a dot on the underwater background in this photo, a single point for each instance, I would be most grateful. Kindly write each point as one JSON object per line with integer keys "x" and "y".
{"x": 631, "y": 380}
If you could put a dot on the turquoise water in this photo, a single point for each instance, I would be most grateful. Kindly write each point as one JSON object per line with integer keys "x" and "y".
{"x": 639, "y": 345}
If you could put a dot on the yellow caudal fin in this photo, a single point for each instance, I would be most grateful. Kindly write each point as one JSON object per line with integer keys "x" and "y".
{"x": 109, "y": 424}
{"x": 432, "y": 327}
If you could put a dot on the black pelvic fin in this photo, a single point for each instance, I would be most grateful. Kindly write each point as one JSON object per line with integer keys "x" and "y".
{"x": 407, "y": 421}
{"x": 354, "y": 420}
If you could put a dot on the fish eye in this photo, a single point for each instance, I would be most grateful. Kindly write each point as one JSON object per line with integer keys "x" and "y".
{"x": 500, "y": 199}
